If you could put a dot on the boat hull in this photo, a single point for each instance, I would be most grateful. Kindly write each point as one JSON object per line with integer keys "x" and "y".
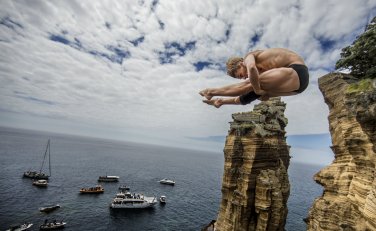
{"x": 168, "y": 184}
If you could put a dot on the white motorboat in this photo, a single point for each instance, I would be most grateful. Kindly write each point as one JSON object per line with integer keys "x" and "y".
{"x": 22, "y": 227}
{"x": 127, "y": 200}
{"x": 108, "y": 178}
{"x": 40, "y": 183}
{"x": 162, "y": 199}
{"x": 52, "y": 225}
{"x": 167, "y": 181}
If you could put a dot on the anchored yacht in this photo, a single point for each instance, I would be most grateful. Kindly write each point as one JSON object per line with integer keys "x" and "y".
{"x": 127, "y": 200}
{"x": 108, "y": 178}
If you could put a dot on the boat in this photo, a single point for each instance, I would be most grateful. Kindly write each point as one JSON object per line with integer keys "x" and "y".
{"x": 123, "y": 188}
{"x": 35, "y": 175}
{"x": 167, "y": 181}
{"x": 24, "y": 226}
{"x": 108, "y": 178}
{"x": 93, "y": 190}
{"x": 40, "y": 183}
{"x": 40, "y": 175}
{"x": 48, "y": 209}
{"x": 128, "y": 200}
{"x": 162, "y": 199}
{"x": 52, "y": 225}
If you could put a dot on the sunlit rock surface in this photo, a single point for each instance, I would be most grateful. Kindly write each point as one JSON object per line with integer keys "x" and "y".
{"x": 349, "y": 198}
{"x": 255, "y": 185}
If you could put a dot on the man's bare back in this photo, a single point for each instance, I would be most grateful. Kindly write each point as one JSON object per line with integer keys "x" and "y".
{"x": 274, "y": 58}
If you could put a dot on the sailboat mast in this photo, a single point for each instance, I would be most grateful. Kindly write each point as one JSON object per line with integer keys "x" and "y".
{"x": 44, "y": 157}
{"x": 49, "y": 155}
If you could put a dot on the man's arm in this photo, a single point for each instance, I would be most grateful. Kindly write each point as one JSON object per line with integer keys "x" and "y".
{"x": 253, "y": 74}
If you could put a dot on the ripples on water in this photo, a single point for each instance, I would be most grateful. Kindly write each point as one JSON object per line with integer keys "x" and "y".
{"x": 77, "y": 162}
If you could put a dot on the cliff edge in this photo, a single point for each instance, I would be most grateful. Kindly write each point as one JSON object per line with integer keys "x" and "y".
{"x": 349, "y": 198}
{"x": 255, "y": 185}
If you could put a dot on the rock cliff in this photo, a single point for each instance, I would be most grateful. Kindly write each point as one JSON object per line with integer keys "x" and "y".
{"x": 349, "y": 198}
{"x": 255, "y": 185}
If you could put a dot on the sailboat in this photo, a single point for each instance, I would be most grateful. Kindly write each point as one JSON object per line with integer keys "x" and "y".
{"x": 39, "y": 175}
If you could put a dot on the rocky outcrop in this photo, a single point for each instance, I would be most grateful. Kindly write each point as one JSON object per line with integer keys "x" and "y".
{"x": 255, "y": 185}
{"x": 349, "y": 198}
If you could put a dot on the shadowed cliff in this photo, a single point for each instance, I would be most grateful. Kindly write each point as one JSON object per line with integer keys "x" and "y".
{"x": 349, "y": 198}
{"x": 255, "y": 185}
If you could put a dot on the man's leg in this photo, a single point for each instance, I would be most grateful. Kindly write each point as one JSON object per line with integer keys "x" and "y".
{"x": 279, "y": 81}
{"x": 229, "y": 90}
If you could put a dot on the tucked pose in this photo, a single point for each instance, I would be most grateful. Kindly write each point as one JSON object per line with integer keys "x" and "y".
{"x": 267, "y": 73}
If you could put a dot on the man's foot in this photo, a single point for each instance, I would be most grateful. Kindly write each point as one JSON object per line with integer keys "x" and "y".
{"x": 214, "y": 102}
{"x": 205, "y": 93}
{"x": 210, "y": 102}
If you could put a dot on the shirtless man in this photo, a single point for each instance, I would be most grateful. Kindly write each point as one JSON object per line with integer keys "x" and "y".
{"x": 267, "y": 73}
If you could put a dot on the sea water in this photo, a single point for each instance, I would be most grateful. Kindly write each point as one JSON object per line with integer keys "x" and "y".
{"x": 77, "y": 162}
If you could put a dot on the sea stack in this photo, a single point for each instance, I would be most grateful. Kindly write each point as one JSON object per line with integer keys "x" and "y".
{"x": 255, "y": 185}
{"x": 349, "y": 198}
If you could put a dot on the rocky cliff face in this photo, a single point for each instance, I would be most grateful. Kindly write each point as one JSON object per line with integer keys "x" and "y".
{"x": 349, "y": 198}
{"x": 255, "y": 185}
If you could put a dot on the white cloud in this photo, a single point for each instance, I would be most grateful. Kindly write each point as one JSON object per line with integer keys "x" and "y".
{"x": 139, "y": 98}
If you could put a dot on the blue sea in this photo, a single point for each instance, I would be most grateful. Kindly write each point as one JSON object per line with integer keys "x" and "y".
{"x": 78, "y": 162}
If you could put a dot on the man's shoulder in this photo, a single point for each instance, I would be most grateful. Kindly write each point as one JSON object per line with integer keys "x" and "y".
{"x": 254, "y": 53}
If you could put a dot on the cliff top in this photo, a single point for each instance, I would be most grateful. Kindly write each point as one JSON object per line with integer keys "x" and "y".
{"x": 267, "y": 118}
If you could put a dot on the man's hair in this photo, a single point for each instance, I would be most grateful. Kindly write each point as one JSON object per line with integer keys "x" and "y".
{"x": 232, "y": 65}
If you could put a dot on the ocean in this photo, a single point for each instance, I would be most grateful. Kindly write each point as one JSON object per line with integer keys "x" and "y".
{"x": 77, "y": 162}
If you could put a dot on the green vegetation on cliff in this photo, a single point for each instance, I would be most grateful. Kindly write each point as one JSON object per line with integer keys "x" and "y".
{"x": 361, "y": 86}
{"x": 360, "y": 57}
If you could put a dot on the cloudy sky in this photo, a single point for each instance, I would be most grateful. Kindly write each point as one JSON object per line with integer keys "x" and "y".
{"x": 131, "y": 70}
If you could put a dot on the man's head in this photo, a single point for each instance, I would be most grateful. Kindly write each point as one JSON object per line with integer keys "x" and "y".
{"x": 236, "y": 68}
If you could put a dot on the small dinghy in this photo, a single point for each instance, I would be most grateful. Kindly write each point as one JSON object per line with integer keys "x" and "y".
{"x": 48, "y": 209}
{"x": 167, "y": 181}
{"x": 40, "y": 183}
{"x": 162, "y": 199}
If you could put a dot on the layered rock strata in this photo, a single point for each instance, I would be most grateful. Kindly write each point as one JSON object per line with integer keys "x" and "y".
{"x": 255, "y": 185}
{"x": 349, "y": 198}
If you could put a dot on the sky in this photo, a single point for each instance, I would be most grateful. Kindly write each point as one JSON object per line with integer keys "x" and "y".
{"x": 132, "y": 70}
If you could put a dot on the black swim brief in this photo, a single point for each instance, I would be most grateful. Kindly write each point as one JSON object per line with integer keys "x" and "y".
{"x": 248, "y": 98}
{"x": 303, "y": 74}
